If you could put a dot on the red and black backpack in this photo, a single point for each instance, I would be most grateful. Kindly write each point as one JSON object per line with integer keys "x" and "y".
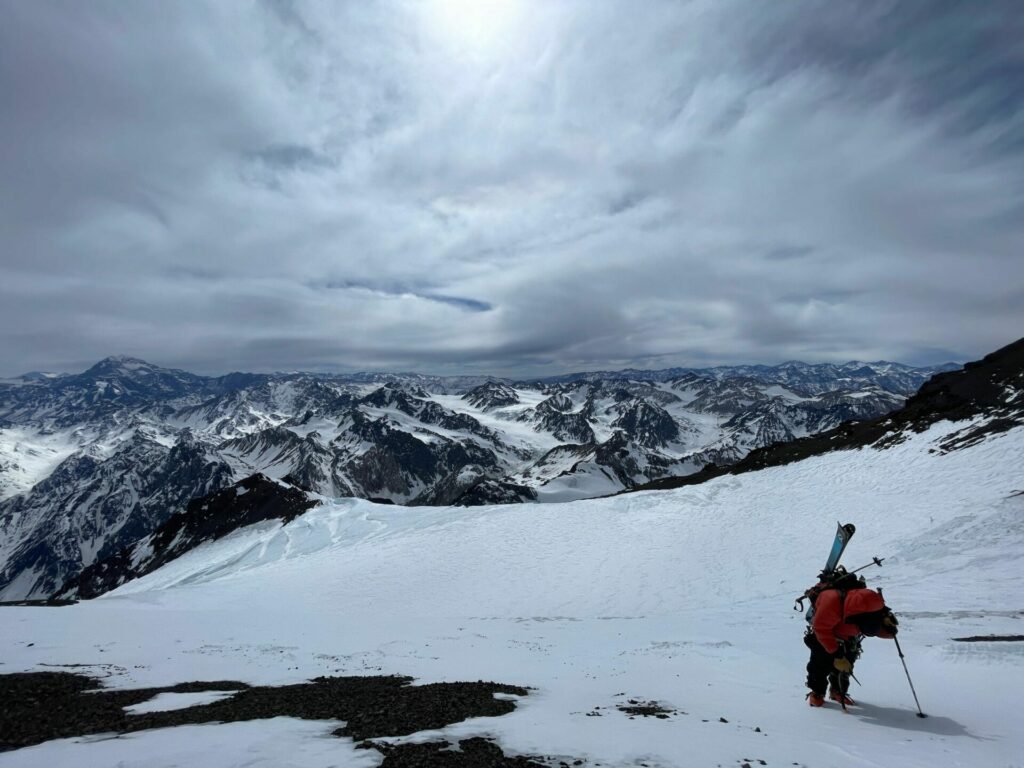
{"x": 838, "y": 579}
{"x": 878, "y": 623}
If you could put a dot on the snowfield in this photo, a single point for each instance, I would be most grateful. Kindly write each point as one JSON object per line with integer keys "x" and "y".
{"x": 682, "y": 597}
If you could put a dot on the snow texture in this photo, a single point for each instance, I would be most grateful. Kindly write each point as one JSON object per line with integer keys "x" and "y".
{"x": 681, "y": 597}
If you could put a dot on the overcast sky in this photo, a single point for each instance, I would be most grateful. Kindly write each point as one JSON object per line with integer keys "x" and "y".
{"x": 523, "y": 188}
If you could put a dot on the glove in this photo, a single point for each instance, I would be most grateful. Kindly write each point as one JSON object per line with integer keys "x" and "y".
{"x": 841, "y": 663}
{"x": 890, "y": 623}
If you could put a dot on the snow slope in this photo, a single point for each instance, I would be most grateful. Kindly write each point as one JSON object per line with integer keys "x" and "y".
{"x": 682, "y": 596}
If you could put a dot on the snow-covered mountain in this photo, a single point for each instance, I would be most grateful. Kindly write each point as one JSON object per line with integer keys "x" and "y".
{"x": 93, "y": 461}
{"x": 669, "y": 601}
{"x": 808, "y": 377}
{"x": 987, "y": 396}
{"x": 97, "y": 501}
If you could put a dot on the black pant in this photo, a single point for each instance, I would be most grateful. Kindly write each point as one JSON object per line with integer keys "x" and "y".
{"x": 821, "y": 672}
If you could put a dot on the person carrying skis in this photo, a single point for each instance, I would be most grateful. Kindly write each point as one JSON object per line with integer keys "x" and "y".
{"x": 842, "y": 611}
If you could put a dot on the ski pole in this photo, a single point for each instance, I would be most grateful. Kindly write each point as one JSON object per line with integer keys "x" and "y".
{"x": 903, "y": 659}
{"x": 874, "y": 561}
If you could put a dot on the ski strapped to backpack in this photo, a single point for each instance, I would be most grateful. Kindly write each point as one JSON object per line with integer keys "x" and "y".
{"x": 834, "y": 576}
{"x": 843, "y": 535}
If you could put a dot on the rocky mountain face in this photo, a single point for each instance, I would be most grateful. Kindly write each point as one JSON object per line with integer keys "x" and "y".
{"x": 92, "y": 462}
{"x": 253, "y": 500}
{"x": 96, "y": 502}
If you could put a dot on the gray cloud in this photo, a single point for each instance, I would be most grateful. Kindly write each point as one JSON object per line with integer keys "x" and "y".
{"x": 788, "y": 252}
{"x": 553, "y": 186}
{"x": 291, "y": 157}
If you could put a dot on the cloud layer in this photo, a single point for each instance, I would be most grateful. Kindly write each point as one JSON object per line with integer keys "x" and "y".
{"x": 515, "y": 187}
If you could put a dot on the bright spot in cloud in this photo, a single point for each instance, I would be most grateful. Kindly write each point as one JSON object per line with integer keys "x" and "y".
{"x": 477, "y": 27}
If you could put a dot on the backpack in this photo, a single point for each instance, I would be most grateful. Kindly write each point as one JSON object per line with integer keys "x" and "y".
{"x": 838, "y": 579}
{"x": 879, "y": 623}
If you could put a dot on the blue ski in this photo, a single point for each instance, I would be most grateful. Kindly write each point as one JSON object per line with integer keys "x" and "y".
{"x": 843, "y": 535}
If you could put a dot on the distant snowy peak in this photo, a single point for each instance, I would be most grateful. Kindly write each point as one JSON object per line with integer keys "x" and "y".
{"x": 40, "y": 376}
{"x": 986, "y": 396}
{"x": 131, "y": 376}
{"x": 724, "y": 397}
{"x": 556, "y": 415}
{"x": 115, "y": 364}
{"x": 395, "y": 394}
{"x": 99, "y": 393}
{"x": 491, "y": 395}
{"x": 808, "y": 377}
{"x": 646, "y": 424}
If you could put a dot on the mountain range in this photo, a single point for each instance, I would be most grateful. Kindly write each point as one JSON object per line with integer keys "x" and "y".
{"x": 93, "y": 462}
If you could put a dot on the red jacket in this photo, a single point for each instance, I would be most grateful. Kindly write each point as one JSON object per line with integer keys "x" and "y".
{"x": 829, "y": 623}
